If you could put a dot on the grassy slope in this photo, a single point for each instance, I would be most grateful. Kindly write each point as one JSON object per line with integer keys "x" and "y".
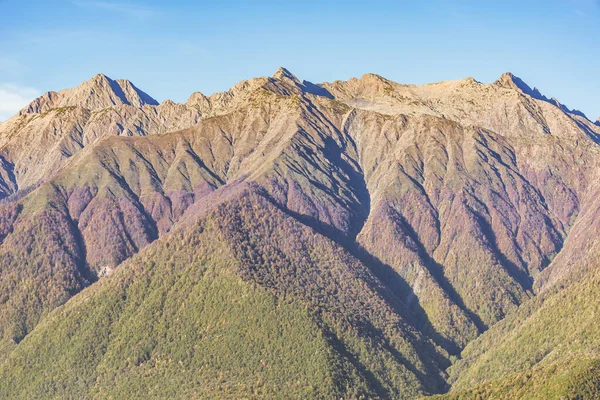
{"x": 569, "y": 379}
{"x": 545, "y": 349}
{"x": 112, "y": 201}
{"x": 40, "y": 269}
{"x": 135, "y": 188}
{"x": 206, "y": 312}
{"x": 173, "y": 322}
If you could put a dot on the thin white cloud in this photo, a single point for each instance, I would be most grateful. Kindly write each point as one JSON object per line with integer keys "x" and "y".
{"x": 125, "y": 8}
{"x": 14, "y": 97}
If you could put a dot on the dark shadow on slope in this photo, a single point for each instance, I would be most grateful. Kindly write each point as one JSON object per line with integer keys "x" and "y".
{"x": 393, "y": 284}
{"x": 146, "y": 98}
{"x": 8, "y": 185}
{"x": 566, "y": 109}
{"x": 203, "y": 166}
{"x": 437, "y": 385}
{"x": 520, "y": 276}
{"x": 425, "y": 348}
{"x": 348, "y": 187}
{"x": 343, "y": 351}
{"x": 118, "y": 91}
{"x": 390, "y": 283}
{"x": 351, "y": 168}
{"x": 316, "y": 90}
{"x": 525, "y": 88}
{"x": 433, "y": 382}
{"x": 535, "y": 93}
{"x": 83, "y": 267}
{"x": 437, "y": 271}
{"x": 356, "y": 182}
{"x": 150, "y": 224}
{"x": 396, "y": 285}
{"x": 593, "y": 135}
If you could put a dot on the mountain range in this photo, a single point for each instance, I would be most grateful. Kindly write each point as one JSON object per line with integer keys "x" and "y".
{"x": 284, "y": 239}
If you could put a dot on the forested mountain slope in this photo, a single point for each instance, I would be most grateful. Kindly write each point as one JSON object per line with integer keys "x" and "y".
{"x": 387, "y": 226}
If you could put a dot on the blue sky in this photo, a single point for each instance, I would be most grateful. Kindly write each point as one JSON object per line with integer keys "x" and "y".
{"x": 171, "y": 49}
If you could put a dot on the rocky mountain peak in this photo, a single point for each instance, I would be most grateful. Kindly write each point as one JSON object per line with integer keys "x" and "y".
{"x": 285, "y": 83}
{"x": 135, "y": 96}
{"x": 195, "y": 98}
{"x": 283, "y": 74}
{"x": 418, "y": 216}
{"x": 507, "y": 79}
{"x": 97, "y": 93}
{"x": 373, "y": 78}
{"x": 511, "y": 81}
{"x": 472, "y": 81}
{"x": 369, "y": 84}
{"x": 99, "y": 79}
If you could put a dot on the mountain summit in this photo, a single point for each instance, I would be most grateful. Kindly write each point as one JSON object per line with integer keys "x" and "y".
{"x": 284, "y": 239}
{"x": 283, "y": 73}
{"x": 97, "y": 93}
{"x": 509, "y": 80}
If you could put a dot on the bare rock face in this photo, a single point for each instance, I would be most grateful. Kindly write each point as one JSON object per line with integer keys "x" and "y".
{"x": 97, "y": 93}
{"x": 463, "y": 200}
{"x": 44, "y": 135}
{"x": 494, "y": 106}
